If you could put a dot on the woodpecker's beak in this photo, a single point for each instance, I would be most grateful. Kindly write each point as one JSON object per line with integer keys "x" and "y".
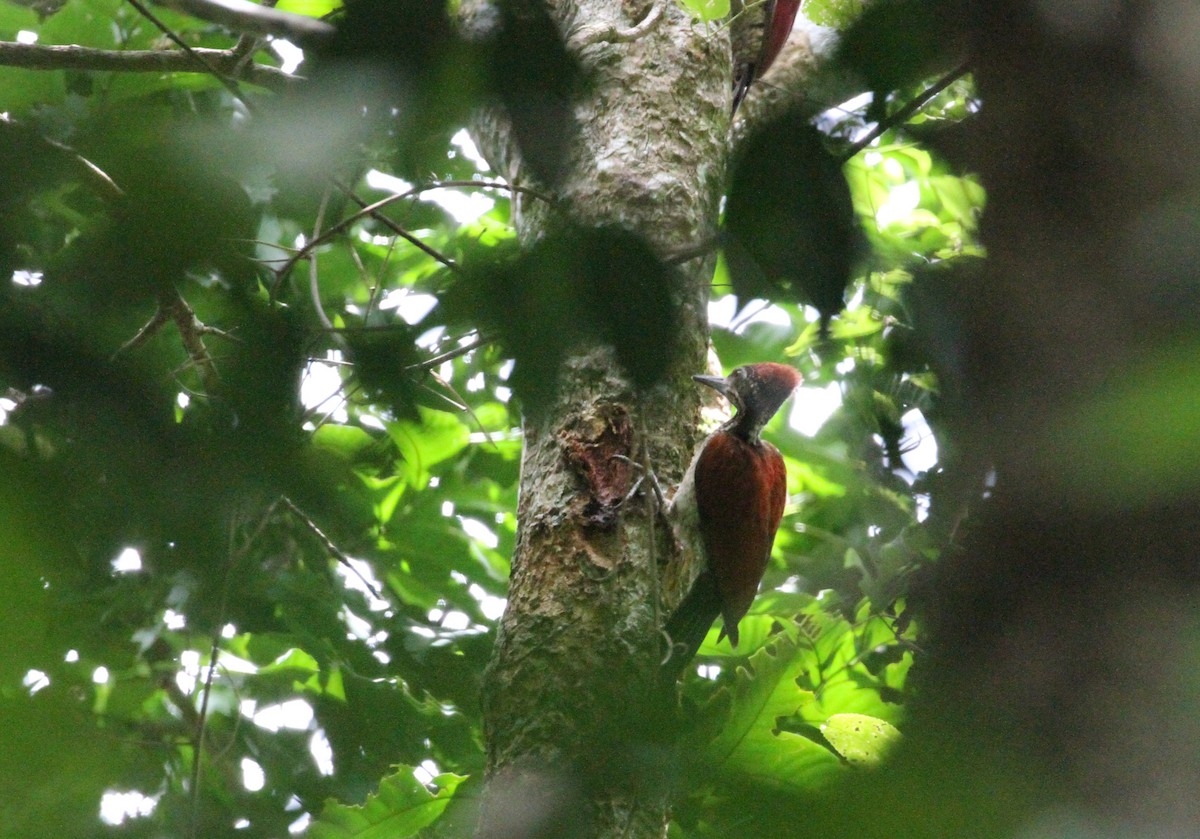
{"x": 718, "y": 383}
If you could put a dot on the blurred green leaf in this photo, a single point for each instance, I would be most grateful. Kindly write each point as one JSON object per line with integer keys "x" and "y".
{"x": 707, "y": 10}
{"x": 437, "y": 437}
{"x": 898, "y": 42}
{"x": 313, "y": 8}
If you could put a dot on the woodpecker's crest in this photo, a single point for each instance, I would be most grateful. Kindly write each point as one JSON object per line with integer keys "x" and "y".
{"x": 756, "y": 391}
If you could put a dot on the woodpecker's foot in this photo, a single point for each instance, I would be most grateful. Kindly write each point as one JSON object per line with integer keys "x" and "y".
{"x": 646, "y": 472}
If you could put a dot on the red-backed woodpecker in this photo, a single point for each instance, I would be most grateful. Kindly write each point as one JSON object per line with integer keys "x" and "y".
{"x": 758, "y": 31}
{"x": 732, "y": 499}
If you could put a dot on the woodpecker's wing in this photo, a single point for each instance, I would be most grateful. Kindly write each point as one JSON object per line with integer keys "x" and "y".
{"x": 783, "y": 17}
{"x": 741, "y": 488}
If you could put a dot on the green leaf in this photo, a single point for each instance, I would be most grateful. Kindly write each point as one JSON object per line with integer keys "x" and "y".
{"x": 1104, "y": 450}
{"x": 294, "y": 662}
{"x": 438, "y": 437}
{"x": 837, "y": 672}
{"x": 401, "y": 807}
{"x": 747, "y": 715}
{"x": 312, "y": 8}
{"x": 576, "y": 284}
{"x": 862, "y": 740}
{"x": 707, "y": 10}
{"x": 834, "y": 13}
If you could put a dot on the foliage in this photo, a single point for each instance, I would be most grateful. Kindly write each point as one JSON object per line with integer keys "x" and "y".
{"x": 261, "y": 492}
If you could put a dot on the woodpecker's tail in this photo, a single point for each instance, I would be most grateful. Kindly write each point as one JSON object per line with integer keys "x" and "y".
{"x": 688, "y": 625}
{"x": 742, "y": 77}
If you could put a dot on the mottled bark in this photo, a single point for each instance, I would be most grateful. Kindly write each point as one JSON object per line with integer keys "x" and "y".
{"x": 569, "y": 692}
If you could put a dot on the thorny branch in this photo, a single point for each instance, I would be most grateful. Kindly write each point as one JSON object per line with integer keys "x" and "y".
{"x": 172, "y": 307}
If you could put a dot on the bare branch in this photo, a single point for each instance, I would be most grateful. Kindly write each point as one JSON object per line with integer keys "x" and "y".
{"x": 437, "y": 360}
{"x": 70, "y": 57}
{"x": 226, "y": 82}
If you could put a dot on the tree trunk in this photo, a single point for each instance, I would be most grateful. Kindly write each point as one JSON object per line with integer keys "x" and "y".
{"x": 570, "y": 686}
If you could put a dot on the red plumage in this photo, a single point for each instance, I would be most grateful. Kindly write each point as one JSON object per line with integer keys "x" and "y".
{"x": 729, "y": 505}
{"x": 783, "y": 18}
{"x": 741, "y": 488}
{"x": 760, "y": 29}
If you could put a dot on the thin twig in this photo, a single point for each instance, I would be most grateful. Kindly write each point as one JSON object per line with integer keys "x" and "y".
{"x": 377, "y": 288}
{"x": 225, "y": 81}
{"x": 213, "y": 657}
{"x": 367, "y": 327}
{"x": 313, "y": 286}
{"x": 466, "y": 407}
{"x": 372, "y": 210}
{"x": 449, "y": 355}
{"x": 458, "y": 406}
{"x": 906, "y": 113}
{"x": 333, "y": 549}
{"x": 345, "y": 395}
{"x": 748, "y": 315}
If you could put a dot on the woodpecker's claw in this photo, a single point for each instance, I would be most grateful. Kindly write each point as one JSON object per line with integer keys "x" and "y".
{"x": 646, "y": 472}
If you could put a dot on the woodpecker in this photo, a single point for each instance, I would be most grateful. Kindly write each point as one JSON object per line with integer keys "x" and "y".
{"x": 758, "y": 31}
{"x": 732, "y": 499}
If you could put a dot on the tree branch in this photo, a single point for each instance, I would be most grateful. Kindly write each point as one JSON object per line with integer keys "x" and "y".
{"x": 70, "y": 57}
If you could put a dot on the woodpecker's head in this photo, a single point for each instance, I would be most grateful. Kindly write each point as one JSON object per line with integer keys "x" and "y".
{"x": 756, "y": 391}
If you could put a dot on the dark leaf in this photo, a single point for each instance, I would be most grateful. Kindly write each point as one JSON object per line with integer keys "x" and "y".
{"x": 535, "y": 77}
{"x": 790, "y": 228}
{"x": 897, "y": 43}
{"x": 381, "y": 358}
{"x": 604, "y": 284}
{"x": 406, "y": 69}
